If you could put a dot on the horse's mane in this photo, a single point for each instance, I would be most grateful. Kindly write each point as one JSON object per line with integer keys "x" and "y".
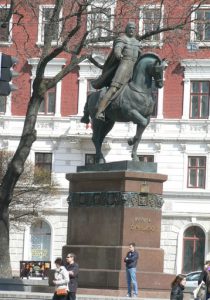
{"x": 150, "y": 54}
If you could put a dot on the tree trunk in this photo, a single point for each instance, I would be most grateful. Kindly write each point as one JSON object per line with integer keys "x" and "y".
{"x": 13, "y": 172}
{"x": 5, "y": 265}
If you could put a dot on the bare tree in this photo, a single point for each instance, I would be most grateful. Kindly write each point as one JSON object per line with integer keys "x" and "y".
{"x": 32, "y": 193}
{"x": 78, "y": 33}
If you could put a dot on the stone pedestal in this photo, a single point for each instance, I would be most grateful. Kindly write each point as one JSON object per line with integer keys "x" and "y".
{"x": 108, "y": 209}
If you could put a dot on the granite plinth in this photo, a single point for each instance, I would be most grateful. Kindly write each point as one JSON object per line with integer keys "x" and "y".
{"x": 113, "y": 226}
{"x": 120, "y": 181}
{"x": 111, "y": 205}
{"x": 112, "y": 279}
{"x": 113, "y": 257}
{"x": 127, "y": 165}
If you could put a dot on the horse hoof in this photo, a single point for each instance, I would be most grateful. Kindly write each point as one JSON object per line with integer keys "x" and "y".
{"x": 135, "y": 158}
{"x": 85, "y": 120}
{"x": 145, "y": 122}
{"x": 102, "y": 161}
{"x": 130, "y": 142}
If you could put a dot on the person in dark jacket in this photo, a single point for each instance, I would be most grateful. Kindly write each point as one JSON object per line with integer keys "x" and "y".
{"x": 177, "y": 287}
{"x": 205, "y": 277}
{"x": 73, "y": 270}
{"x": 131, "y": 262}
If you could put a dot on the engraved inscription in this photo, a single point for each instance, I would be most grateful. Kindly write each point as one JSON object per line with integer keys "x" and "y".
{"x": 142, "y": 224}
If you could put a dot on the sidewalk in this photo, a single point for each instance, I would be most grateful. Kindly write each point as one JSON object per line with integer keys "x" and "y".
{"x": 45, "y": 296}
{"x": 13, "y": 295}
{"x": 18, "y": 289}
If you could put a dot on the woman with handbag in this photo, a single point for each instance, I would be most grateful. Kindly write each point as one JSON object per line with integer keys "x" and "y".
{"x": 177, "y": 287}
{"x": 61, "y": 279}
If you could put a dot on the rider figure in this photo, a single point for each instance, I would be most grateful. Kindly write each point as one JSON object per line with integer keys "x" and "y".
{"x": 125, "y": 52}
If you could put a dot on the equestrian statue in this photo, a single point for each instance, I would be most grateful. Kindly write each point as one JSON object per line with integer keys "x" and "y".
{"x": 124, "y": 91}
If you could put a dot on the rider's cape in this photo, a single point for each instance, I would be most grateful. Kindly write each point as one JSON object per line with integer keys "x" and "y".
{"x": 110, "y": 66}
{"x": 109, "y": 69}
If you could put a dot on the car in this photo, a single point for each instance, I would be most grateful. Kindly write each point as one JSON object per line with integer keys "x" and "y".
{"x": 192, "y": 281}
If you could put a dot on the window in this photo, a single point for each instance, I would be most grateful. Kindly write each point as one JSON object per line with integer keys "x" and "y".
{"x": 100, "y": 19}
{"x": 45, "y": 15}
{"x": 199, "y": 100}
{"x": 150, "y": 19}
{"x": 53, "y": 67}
{"x": 202, "y": 24}
{"x": 146, "y": 158}
{"x": 5, "y": 25}
{"x": 196, "y": 88}
{"x": 2, "y": 104}
{"x": 47, "y": 106}
{"x": 43, "y": 167}
{"x": 196, "y": 172}
{"x": 87, "y": 72}
{"x": 193, "y": 249}
{"x": 90, "y": 159}
{"x": 40, "y": 241}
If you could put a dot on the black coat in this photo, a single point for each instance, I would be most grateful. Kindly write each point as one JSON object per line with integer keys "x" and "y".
{"x": 131, "y": 259}
{"x": 203, "y": 277}
{"x": 177, "y": 292}
{"x": 73, "y": 279}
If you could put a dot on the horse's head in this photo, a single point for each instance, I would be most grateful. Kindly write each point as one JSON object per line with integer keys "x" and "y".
{"x": 149, "y": 68}
{"x": 156, "y": 71}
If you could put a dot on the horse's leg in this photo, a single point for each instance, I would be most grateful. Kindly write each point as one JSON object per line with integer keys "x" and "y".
{"x": 100, "y": 130}
{"x": 140, "y": 121}
{"x": 107, "y": 126}
{"x": 96, "y": 126}
{"x": 138, "y": 118}
{"x": 136, "y": 140}
{"x": 132, "y": 140}
{"x": 86, "y": 116}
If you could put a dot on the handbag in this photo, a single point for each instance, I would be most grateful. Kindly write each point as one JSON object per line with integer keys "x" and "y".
{"x": 200, "y": 291}
{"x": 61, "y": 292}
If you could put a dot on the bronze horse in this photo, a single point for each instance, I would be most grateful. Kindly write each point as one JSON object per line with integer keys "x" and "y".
{"x": 134, "y": 103}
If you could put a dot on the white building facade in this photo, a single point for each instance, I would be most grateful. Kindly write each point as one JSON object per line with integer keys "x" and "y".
{"x": 180, "y": 147}
{"x": 169, "y": 142}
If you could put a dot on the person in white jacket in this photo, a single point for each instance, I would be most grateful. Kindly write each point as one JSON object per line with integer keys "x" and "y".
{"x": 61, "y": 279}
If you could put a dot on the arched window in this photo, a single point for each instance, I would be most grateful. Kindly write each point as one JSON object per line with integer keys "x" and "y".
{"x": 193, "y": 249}
{"x": 40, "y": 241}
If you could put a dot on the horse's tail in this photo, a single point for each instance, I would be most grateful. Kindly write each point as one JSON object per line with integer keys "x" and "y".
{"x": 86, "y": 115}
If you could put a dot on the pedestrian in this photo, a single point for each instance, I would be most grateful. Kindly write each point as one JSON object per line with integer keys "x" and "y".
{"x": 73, "y": 271}
{"x": 205, "y": 277}
{"x": 61, "y": 279}
{"x": 131, "y": 260}
{"x": 177, "y": 287}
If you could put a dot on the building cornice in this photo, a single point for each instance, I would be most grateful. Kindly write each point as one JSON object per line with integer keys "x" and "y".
{"x": 178, "y": 215}
{"x": 53, "y": 67}
{"x": 188, "y": 195}
{"x": 159, "y": 131}
{"x": 204, "y": 63}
